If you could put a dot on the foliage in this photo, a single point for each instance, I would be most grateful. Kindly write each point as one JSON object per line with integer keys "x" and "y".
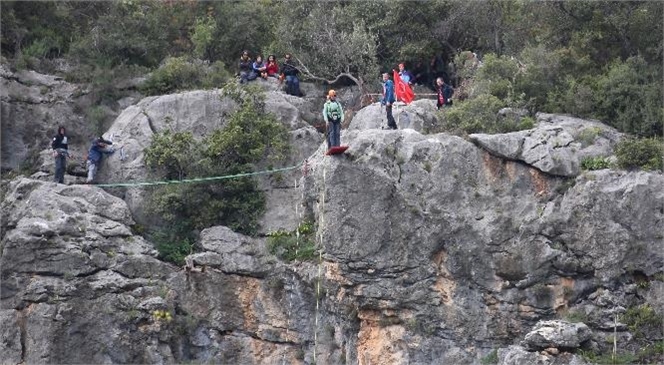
{"x": 173, "y": 243}
{"x": 480, "y": 115}
{"x": 490, "y": 358}
{"x": 180, "y": 73}
{"x": 643, "y": 320}
{"x": 326, "y": 30}
{"x": 291, "y": 246}
{"x": 170, "y": 154}
{"x": 646, "y": 153}
{"x": 595, "y": 163}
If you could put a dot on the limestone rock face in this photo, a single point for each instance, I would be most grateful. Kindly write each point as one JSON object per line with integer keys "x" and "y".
{"x": 201, "y": 112}
{"x": 557, "y": 334}
{"x": 419, "y": 116}
{"x": 449, "y": 242}
{"x": 79, "y": 287}
{"x": 32, "y": 106}
{"x": 556, "y": 146}
{"x": 428, "y": 249}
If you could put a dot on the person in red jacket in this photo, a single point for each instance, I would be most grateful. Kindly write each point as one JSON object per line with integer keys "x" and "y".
{"x": 272, "y": 66}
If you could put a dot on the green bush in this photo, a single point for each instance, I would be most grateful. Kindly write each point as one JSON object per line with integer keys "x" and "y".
{"x": 646, "y": 153}
{"x": 288, "y": 246}
{"x": 629, "y": 97}
{"x": 480, "y": 115}
{"x": 595, "y": 163}
{"x": 643, "y": 321}
{"x": 181, "y": 73}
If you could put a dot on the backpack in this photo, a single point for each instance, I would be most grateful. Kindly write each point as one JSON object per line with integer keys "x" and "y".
{"x": 334, "y": 111}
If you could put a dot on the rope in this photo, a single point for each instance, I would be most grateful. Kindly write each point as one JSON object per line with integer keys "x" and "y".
{"x": 197, "y": 180}
{"x": 298, "y": 214}
{"x": 320, "y": 259}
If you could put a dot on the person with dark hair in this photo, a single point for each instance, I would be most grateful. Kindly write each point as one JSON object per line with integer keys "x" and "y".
{"x": 60, "y": 146}
{"x": 445, "y": 92}
{"x": 272, "y": 67}
{"x": 388, "y": 99}
{"x": 259, "y": 67}
{"x": 98, "y": 148}
{"x": 405, "y": 75}
{"x": 245, "y": 67}
{"x": 290, "y": 72}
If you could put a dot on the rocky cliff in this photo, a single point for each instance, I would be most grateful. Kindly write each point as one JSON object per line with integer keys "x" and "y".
{"x": 428, "y": 249}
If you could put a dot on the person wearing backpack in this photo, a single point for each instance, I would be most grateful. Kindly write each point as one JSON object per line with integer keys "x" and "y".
{"x": 334, "y": 116}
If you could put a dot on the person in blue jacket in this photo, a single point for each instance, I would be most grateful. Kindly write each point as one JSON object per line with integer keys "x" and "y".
{"x": 98, "y": 148}
{"x": 388, "y": 100}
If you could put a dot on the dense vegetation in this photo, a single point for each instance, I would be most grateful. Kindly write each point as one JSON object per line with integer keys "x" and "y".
{"x": 598, "y": 60}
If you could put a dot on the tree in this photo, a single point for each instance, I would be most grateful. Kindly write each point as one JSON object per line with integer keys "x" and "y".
{"x": 328, "y": 45}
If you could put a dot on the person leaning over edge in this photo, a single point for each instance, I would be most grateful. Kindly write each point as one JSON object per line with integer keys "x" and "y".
{"x": 388, "y": 100}
{"x": 97, "y": 150}
{"x": 60, "y": 146}
{"x": 334, "y": 116}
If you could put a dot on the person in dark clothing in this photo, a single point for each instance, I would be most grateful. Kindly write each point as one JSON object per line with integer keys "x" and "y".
{"x": 60, "y": 152}
{"x": 98, "y": 148}
{"x": 444, "y": 92}
{"x": 388, "y": 99}
{"x": 290, "y": 72}
{"x": 246, "y": 68}
{"x": 420, "y": 73}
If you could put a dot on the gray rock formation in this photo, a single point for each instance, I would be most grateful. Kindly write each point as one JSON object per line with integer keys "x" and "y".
{"x": 419, "y": 115}
{"x": 434, "y": 250}
{"x": 556, "y": 146}
{"x": 78, "y": 287}
{"x": 201, "y": 112}
{"x": 557, "y": 334}
{"x": 517, "y": 355}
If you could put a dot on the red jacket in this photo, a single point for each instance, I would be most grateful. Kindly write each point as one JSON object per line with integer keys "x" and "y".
{"x": 272, "y": 68}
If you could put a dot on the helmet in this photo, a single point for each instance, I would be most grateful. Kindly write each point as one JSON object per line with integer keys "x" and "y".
{"x": 331, "y": 93}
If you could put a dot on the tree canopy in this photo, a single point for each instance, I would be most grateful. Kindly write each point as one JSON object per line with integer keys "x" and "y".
{"x": 562, "y": 49}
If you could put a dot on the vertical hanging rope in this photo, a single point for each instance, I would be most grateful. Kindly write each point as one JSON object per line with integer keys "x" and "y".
{"x": 298, "y": 215}
{"x": 321, "y": 227}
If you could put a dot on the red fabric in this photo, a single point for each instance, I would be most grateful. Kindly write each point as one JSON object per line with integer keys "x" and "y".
{"x": 272, "y": 68}
{"x": 402, "y": 89}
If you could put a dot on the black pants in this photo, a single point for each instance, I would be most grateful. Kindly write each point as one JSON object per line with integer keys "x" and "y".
{"x": 390, "y": 118}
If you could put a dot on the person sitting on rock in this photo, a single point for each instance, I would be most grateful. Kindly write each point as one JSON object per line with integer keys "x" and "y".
{"x": 334, "y": 116}
{"x": 290, "y": 72}
{"x": 60, "y": 148}
{"x": 259, "y": 67}
{"x": 272, "y": 66}
{"x": 98, "y": 148}
{"x": 245, "y": 68}
{"x": 388, "y": 99}
{"x": 445, "y": 92}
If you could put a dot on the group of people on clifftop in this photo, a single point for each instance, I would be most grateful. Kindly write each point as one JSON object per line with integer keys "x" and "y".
{"x": 250, "y": 70}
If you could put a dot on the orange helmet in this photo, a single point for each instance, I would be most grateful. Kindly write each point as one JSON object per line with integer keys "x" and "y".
{"x": 331, "y": 93}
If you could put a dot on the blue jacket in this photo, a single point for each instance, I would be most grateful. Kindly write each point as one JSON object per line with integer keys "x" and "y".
{"x": 96, "y": 151}
{"x": 388, "y": 92}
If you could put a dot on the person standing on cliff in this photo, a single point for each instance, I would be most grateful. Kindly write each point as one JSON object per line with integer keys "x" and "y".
{"x": 60, "y": 146}
{"x": 334, "y": 116}
{"x": 388, "y": 99}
